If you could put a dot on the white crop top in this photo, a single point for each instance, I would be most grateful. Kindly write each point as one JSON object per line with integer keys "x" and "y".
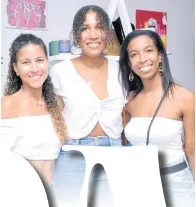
{"x": 83, "y": 109}
{"x": 32, "y": 137}
{"x": 167, "y": 134}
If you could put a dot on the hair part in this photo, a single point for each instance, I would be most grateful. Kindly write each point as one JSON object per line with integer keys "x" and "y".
{"x": 79, "y": 19}
{"x": 14, "y": 82}
{"x": 136, "y": 85}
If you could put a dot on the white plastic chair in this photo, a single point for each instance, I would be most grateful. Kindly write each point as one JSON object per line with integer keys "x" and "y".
{"x": 20, "y": 184}
{"x": 132, "y": 173}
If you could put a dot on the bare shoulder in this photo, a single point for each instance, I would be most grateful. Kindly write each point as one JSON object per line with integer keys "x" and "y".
{"x": 7, "y": 106}
{"x": 184, "y": 94}
{"x": 186, "y": 98}
{"x": 130, "y": 101}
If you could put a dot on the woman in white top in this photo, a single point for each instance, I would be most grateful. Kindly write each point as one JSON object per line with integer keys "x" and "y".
{"x": 92, "y": 95}
{"x": 146, "y": 76}
{"x": 32, "y": 123}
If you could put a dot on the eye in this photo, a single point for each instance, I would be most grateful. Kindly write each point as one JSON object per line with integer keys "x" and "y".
{"x": 25, "y": 62}
{"x": 83, "y": 29}
{"x": 41, "y": 60}
{"x": 149, "y": 50}
{"x": 133, "y": 55}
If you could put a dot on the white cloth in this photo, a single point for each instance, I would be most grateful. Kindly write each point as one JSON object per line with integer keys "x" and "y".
{"x": 32, "y": 137}
{"x": 83, "y": 109}
{"x": 167, "y": 134}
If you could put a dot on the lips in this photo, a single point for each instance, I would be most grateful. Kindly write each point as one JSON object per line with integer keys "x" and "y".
{"x": 93, "y": 45}
{"x": 146, "y": 68}
{"x": 35, "y": 77}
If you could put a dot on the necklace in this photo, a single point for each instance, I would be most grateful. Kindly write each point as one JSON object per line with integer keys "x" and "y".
{"x": 40, "y": 103}
{"x": 93, "y": 82}
{"x": 90, "y": 83}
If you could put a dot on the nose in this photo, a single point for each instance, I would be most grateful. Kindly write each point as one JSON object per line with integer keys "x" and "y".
{"x": 143, "y": 57}
{"x": 34, "y": 67}
{"x": 93, "y": 34}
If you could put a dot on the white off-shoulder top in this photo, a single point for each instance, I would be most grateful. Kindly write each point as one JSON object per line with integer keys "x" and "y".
{"x": 32, "y": 137}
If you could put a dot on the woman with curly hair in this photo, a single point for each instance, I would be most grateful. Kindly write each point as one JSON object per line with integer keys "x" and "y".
{"x": 94, "y": 99}
{"x": 32, "y": 122}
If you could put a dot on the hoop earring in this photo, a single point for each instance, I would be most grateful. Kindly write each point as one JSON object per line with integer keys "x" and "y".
{"x": 160, "y": 68}
{"x": 131, "y": 76}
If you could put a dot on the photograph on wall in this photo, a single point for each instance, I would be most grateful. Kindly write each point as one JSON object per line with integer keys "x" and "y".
{"x": 27, "y": 14}
{"x": 156, "y": 21}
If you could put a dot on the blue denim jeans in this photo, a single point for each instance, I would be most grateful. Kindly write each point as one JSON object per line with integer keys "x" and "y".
{"x": 70, "y": 171}
{"x": 179, "y": 187}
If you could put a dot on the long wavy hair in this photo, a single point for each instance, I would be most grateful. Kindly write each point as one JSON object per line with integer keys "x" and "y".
{"x": 79, "y": 19}
{"x": 14, "y": 83}
{"x": 136, "y": 85}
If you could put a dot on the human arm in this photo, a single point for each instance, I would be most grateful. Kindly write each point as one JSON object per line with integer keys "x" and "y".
{"x": 8, "y": 134}
{"x": 188, "y": 112}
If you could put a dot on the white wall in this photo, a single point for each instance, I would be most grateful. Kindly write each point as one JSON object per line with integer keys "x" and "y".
{"x": 181, "y": 32}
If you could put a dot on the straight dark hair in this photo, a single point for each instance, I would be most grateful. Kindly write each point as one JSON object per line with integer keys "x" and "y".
{"x": 136, "y": 85}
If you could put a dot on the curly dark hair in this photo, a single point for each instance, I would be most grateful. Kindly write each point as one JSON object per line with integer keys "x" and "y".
{"x": 136, "y": 85}
{"x": 14, "y": 83}
{"x": 102, "y": 18}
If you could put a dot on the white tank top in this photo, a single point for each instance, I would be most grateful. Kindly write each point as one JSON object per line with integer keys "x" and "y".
{"x": 32, "y": 137}
{"x": 167, "y": 134}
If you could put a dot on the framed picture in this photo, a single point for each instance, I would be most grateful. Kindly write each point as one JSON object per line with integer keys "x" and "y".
{"x": 27, "y": 14}
{"x": 154, "y": 20}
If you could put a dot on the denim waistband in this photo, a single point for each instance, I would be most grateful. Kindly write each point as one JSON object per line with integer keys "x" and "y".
{"x": 95, "y": 141}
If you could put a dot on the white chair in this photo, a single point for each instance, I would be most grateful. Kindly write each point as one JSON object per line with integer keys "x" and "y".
{"x": 20, "y": 184}
{"x": 132, "y": 172}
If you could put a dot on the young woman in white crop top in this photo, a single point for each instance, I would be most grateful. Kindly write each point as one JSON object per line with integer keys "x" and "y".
{"x": 146, "y": 76}
{"x": 93, "y": 98}
{"x": 32, "y": 124}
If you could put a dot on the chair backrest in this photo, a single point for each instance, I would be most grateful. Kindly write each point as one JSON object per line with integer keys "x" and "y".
{"x": 133, "y": 174}
{"x": 21, "y": 186}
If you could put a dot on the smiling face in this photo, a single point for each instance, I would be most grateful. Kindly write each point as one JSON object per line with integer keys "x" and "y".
{"x": 93, "y": 37}
{"x": 32, "y": 66}
{"x": 144, "y": 57}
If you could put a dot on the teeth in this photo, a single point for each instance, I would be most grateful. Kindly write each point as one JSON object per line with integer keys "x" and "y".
{"x": 145, "y": 68}
{"x": 93, "y": 44}
{"x": 36, "y": 77}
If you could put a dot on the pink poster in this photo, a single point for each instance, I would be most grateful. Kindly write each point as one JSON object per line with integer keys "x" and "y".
{"x": 27, "y": 14}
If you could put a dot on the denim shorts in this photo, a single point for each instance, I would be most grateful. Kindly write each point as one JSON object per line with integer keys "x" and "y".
{"x": 179, "y": 187}
{"x": 70, "y": 171}
{"x": 95, "y": 141}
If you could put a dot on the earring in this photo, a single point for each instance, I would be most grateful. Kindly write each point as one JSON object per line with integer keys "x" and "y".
{"x": 160, "y": 68}
{"x": 131, "y": 76}
{"x": 17, "y": 74}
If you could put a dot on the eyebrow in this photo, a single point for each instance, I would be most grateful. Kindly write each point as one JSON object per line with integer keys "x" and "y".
{"x": 144, "y": 48}
{"x": 22, "y": 59}
{"x": 86, "y": 25}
